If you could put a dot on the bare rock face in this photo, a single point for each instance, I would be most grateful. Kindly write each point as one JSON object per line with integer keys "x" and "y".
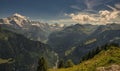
{"x": 109, "y": 68}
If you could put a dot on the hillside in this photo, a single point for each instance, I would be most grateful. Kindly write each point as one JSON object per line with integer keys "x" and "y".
{"x": 18, "y": 53}
{"x": 105, "y": 59}
{"x": 76, "y": 40}
{"x": 69, "y": 37}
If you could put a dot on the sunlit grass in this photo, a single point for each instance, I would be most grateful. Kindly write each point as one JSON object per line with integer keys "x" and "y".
{"x": 5, "y": 60}
{"x": 104, "y": 58}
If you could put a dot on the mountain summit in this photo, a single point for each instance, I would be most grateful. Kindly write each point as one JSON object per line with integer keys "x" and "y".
{"x": 19, "y": 16}
{"x": 31, "y": 29}
{"x": 16, "y": 20}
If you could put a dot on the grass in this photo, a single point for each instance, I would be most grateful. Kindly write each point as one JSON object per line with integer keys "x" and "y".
{"x": 2, "y": 61}
{"x": 90, "y": 41}
{"x": 69, "y": 51}
{"x": 104, "y": 58}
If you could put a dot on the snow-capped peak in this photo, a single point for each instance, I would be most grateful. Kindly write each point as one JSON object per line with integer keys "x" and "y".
{"x": 16, "y": 20}
{"x": 20, "y": 16}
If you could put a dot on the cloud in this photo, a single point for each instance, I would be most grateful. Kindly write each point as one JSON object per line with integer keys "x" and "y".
{"x": 82, "y": 18}
{"x": 75, "y": 7}
{"x": 62, "y": 21}
{"x": 102, "y": 17}
{"x": 114, "y": 9}
{"x": 90, "y": 4}
{"x": 117, "y": 5}
{"x": 107, "y": 16}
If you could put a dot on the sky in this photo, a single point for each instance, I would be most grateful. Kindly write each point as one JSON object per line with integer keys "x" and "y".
{"x": 64, "y": 11}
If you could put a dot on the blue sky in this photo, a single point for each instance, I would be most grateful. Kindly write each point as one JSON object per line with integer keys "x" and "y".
{"x": 54, "y": 10}
{"x": 45, "y": 9}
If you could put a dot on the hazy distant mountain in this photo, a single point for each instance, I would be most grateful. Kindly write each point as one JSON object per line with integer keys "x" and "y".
{"x": 18, "y": 53}
{"x": 34, "y": 30}
{"x": 76, "y": 40}
{"x": 64, "y": 40}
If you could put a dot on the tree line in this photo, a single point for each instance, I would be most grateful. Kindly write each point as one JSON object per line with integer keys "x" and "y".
{"x": 43, "y": 66}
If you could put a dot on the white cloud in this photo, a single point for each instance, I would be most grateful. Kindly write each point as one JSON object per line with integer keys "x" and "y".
{"x": 102, "y": 17}
{"x": 82, "y": 18}
{"x": 107, "y": 16}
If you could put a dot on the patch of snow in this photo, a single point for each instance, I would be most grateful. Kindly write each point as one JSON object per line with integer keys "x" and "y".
{"x": 20, "y": 16}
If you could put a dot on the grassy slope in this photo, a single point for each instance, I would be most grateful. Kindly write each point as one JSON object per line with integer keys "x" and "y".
{"x": 2, "y": 61}
{"x": 104, "y": 58}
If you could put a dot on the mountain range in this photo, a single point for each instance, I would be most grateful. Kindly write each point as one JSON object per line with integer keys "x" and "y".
{"x": 34, "y": 30}
{"x": 77, "y": 40}
{"x": 22, "y": 41}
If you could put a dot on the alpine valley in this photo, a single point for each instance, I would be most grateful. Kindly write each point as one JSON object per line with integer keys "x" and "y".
{"x": 24, "y": 41}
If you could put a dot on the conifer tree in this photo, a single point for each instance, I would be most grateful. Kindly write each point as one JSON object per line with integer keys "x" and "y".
{"x": 42, "y": 65}
{"x": 61, "y": 64}
{"x": 69, "y": 63}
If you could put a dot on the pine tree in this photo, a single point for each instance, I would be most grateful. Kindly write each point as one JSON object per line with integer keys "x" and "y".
{"x": 69, "y": 63}
{"x": 0, "y": 27}
{"x": 61, "y": 64}
{"x": 42, "y": 65}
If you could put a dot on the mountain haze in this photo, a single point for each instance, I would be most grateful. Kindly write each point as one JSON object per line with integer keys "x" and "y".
{"x": 34, "y": 30}
{"x": 76, "y": 40}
